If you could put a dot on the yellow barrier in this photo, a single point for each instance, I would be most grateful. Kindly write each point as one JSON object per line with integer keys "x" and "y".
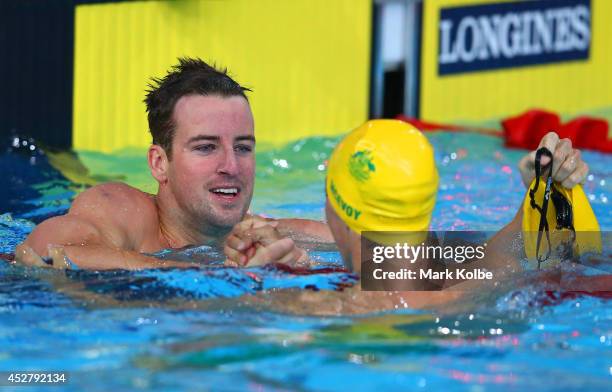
{"x": 569, "y": 87}
{"x": 308, "y": 62}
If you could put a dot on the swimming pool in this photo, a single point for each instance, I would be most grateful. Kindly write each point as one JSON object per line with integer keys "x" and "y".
{"x": 190, "y": 330}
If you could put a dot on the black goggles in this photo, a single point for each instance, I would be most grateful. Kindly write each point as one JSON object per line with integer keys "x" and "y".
{"x": 564, "y": 214}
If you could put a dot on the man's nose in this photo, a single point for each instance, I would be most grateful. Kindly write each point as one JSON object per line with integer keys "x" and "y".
{"x": 229, "y": 163}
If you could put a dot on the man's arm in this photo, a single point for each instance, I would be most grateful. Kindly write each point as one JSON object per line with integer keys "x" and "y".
{"x": 257, "y": 240}
{"x": 305, "y": 230}
{"x": 96, "y": 257}
{"x": 505, "y": 248}
{"x": 102, "y": 230}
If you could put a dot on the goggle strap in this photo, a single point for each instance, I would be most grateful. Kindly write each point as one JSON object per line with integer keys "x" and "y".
{"x": 543, "y": 227}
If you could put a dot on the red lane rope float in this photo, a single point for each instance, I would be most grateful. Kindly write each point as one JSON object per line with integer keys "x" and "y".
{"x": 527, "y": 129}
{"x": 10, "y": 257}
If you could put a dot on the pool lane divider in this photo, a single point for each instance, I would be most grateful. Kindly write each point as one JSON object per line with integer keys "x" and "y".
{"x": 527, "y": 129}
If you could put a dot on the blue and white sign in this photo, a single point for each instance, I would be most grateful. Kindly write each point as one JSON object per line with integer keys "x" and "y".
{"x": 505, "y": 35}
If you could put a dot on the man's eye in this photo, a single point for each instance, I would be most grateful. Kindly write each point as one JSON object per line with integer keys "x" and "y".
{"x": 243, "y": 148}
{"x": 205, "y": 148}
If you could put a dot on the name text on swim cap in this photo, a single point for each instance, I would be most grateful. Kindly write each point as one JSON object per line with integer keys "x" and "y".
{"x": 348, "y": 210}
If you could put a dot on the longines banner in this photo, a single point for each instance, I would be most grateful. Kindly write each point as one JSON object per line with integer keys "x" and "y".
{"x": 503, "y": 35}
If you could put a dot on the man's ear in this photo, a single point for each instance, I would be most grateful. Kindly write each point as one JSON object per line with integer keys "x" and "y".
{"x": 355, "y": 246}
{"x": 158, "y": 163}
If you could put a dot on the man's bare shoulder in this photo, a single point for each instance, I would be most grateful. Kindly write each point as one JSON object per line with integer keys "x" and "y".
{"x": 115, "y": 195}
{"x": 116, "y": 202}
{"x": 125, "y": 213}
{"x": 112, "y": 214}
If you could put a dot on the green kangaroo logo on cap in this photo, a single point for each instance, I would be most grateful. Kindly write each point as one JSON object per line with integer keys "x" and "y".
{"x": 360, "y": 165}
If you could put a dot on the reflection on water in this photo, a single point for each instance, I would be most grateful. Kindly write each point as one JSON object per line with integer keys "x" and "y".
{"x": 218, "y": 328}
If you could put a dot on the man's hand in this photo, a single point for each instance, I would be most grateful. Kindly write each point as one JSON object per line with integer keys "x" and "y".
{"x": 256, "y": 241}
{"x": 57, "y": 257}
{"x": 568, "y": 167}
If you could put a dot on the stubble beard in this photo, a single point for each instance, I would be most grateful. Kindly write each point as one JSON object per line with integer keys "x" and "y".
{"x": 218, "y": 221}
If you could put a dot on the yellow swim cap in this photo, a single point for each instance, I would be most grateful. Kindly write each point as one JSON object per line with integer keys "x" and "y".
{"x": 382, "y": 177}
{"x": 584, "y": 222}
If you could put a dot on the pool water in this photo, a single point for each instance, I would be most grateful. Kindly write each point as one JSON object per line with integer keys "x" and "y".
{"x": 192, "y": 330}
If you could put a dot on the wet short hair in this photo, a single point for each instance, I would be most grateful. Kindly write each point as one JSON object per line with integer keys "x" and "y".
{"x": 191, "y": 76}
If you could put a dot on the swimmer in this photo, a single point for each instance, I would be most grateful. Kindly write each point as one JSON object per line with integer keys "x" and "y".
{"x": 382, "y": 177}
{"x": 203, "y": 159}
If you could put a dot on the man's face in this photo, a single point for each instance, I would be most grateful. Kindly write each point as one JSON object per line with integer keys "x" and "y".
{"x": 211, "y": 171}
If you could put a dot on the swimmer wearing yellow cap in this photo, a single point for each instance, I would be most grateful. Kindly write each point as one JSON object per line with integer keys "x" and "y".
{"x": 381, "y": 184}
{"x": 381, "y": 177}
